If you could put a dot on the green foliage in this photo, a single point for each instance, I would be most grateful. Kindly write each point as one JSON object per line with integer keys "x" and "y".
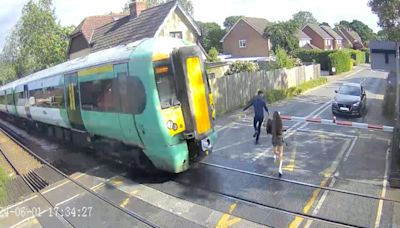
{"x": 37, "y": 41}
{"x": 303, "y": 18}
{"x": 3, "y": 184}
{"x": 284, "y": 35}
{"x": 364, "y": 31}
{"x": 241, "y": 66}
{"x": 230, "y": 21}
{"x": 389, "y": 16}
{"x": 283, "y": 60}
{"x": 341, "y": 60}
{"x": 316, "y": 56}
{"x": 281, "y": 94}
{"x": 7, "y": 73}
{"x": 213, "y": 55}
{"x": 211, "y": 35}
{"x": 359, "y": 57}
{"x": 325, "y": 24}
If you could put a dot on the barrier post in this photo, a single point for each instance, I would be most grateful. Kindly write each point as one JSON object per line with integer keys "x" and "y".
{"x": 394, "y": 176}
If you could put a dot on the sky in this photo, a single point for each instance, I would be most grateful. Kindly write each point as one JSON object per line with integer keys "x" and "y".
{"x": 72, "y": 12}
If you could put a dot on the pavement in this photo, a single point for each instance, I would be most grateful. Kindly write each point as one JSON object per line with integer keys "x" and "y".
{"x": 237, "y": 184}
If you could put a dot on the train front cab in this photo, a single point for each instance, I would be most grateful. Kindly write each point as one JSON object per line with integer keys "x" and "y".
{"x": 186, "y": 107}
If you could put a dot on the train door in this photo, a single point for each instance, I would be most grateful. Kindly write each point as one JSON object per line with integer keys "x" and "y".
{"x": 26, "y": 96}
{"x": 73, "y": 101}
{"x": 128, "y": 93}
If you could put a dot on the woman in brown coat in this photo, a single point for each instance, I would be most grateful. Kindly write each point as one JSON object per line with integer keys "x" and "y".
{"x": 277, "y": 139}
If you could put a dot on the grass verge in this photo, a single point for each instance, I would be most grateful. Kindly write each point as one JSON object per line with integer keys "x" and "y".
{"x": 3, "y": 182}
{"x": 281, "y": 94}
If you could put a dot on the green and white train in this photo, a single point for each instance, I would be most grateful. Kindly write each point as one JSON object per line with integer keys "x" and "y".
{"x": 152, "y": 94}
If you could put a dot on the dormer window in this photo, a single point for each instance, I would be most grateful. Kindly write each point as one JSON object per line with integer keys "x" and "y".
{"x": 176, "y": 35}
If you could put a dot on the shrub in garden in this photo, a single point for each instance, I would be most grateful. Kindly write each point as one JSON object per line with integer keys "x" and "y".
{"x": 283, "y": 60}
{"x": 241, "y": 66}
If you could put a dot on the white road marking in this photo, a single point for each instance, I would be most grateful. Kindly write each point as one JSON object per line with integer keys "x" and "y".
{"x": 383, "y": 193}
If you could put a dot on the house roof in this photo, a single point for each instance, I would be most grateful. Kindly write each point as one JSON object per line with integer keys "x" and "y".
{"x": 302, "y": 36}
{"x": 258, "y": 24}
{"x": 344, "y": 37}
{"x": 319, "y": 31}
{"x": 89, "y": 24}
{"x": 309, "y": 46}
{"x": 128, "y": 29}
{"x": 331, "y": 32}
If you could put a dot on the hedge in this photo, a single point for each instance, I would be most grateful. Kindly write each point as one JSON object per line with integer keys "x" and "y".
{"x": 318, "y": 56}
{"x": 358, "y": 56}
{"x": 341, "y": 60}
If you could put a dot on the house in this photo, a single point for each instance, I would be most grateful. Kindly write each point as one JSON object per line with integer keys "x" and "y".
{"x": 83, "y": 33}
{"x": 337, "y": 39}
{"x": 352, "y": 39}
{"x": 165, "y": 20}
{"x": 319, "y": 37}
{"x": 304, "y": 40}
{"x": 245, "y": 38}
{"x": 346, "y": 43}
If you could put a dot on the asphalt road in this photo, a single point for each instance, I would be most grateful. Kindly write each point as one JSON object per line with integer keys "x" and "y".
{"x": 237, "y": 184}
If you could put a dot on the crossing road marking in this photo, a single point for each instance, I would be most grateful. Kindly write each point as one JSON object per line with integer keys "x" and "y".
{"x": 226, "y": 220}
{"x": 124, "y": 203}
{"x": 327, "y": 174}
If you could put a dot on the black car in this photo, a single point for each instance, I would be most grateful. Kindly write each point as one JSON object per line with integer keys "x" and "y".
{"x": 350, "y": 99}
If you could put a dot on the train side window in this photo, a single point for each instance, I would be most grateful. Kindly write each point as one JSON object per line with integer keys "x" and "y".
{"x": 50, "y": 97}
{"x": 98, "y": 96}
{"x": 10, "y": 99}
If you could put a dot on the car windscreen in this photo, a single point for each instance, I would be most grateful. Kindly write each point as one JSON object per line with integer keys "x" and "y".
{"x": 349, "y": 90}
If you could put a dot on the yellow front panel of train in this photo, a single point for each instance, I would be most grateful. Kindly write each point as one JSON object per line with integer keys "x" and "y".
{"x": 198, "y": 95}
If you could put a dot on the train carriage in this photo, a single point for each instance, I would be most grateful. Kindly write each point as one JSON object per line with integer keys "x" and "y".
{"x": 152, "y": 94}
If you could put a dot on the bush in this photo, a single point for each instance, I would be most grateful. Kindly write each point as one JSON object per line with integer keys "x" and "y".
{"x": 341, "y": 60}
{"x": 241, "y": 66}
{"x": 358, "y": 56}
{"x": 316, "y": 56}
{"x": 213, "y": 55}
{"x": 283, "y": 60}
{"x": 281, "y": 94}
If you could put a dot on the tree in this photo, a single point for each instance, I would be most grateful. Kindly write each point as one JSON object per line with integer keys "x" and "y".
{"x": 284, "y": 35}
{"x": 365, "y": 32}
{"x": 382, "y": 35}
{"x": 344, "y": 24}
{"x": 389, "y": 16}
{"x": 325, "y": 24}
{"x": 211, "y": 34}
{"x": 230, "y": 21}
{"x": 43, "y": 42}
{"x": 213, "y": 55}
{"x": 303, "y": 18}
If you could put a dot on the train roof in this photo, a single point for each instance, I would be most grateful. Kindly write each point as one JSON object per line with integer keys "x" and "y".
{"x": 114, "y": 54}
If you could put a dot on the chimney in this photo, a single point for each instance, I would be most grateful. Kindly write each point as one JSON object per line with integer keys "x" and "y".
{"x": 136, "y": 7}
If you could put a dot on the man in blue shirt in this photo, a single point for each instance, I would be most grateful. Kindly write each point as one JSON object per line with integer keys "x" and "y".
{"x": 259, "y": 105}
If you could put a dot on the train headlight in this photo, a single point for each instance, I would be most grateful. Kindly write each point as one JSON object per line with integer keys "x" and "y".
{"x": 172, "y": 126}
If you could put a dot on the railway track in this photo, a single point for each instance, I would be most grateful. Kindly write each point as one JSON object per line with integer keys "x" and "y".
{"x": 36, "y": 182}
{"x": 357, "y": 194}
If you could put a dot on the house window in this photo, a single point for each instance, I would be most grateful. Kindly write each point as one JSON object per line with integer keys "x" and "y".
{"x": 176, "y": 35}
{"x": 242, "y": 43}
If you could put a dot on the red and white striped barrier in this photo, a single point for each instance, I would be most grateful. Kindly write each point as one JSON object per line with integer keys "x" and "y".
{"x": 339, "y": 123}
